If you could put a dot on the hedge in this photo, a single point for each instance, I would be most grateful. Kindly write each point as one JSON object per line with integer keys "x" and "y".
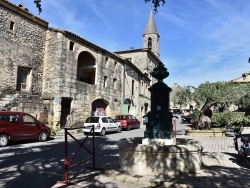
{"x": 231, "y": 118}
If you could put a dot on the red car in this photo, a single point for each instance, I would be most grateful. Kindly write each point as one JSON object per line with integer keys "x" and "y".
{"x": 16, "y": 126}
{"x": 128, "y": 121}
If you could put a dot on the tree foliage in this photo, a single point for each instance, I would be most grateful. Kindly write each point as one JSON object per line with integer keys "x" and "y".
{"x": 221, "y": 94}
{"x": 38, "y": 5}
{"x": 156, "y": 3}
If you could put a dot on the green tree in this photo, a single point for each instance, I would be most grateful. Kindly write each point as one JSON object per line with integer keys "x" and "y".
{"x": 221, "y": 94}
{"x": 156, "y": 3}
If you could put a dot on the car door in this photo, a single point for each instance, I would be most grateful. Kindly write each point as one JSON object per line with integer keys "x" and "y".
{"x": 112, "y": 124}
{"x": 132, "y": 121}
{"x": 31, "y": 129}
{"x": 105, "y": 123}
{"x": 14, "y": 126}
{"x": 136, "y": 122}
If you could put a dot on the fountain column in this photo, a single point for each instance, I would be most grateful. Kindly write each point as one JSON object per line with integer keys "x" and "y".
{"x": 159, "y": 128}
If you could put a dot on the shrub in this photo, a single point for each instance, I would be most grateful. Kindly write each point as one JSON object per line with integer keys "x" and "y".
{"x": 232, "y": 118}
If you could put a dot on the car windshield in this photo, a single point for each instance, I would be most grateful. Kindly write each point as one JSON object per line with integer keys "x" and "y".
{"x": 120, "y": 118}
{"x": 92, "y": 120}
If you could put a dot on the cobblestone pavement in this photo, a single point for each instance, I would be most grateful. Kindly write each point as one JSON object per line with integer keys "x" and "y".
{"x": 222, "y": 168}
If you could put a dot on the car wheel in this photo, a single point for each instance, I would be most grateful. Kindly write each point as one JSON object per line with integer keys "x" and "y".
{"x": 119, "y": 129}
{"x": 102, "y": 133}
{"x": 128, "y": 127}
{"x": 43, "y": 136}
{"x": 4, "y": 140}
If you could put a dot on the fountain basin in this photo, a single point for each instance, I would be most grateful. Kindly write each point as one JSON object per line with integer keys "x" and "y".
{"x": 160, "y": 160}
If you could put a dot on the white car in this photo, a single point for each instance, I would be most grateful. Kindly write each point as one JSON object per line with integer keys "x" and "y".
{"x": 102, "y": 124}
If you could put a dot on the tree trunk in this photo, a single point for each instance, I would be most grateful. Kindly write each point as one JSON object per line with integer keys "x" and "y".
{"x": 206, "y": 112}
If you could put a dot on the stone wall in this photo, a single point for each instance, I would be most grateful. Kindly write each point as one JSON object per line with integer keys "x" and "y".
{"x": 22, "y": 44}
{"x": 27, "y": 42}
{"x": 60, "y": 76}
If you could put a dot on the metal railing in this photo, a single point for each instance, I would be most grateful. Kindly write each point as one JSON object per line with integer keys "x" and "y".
{"x": 68, "y": 163}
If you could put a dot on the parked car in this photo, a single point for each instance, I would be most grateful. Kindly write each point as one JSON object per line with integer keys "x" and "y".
{"x": 128, "y": 121}
{"x": 17, "y": 126}
{"x": 187, "y": 118}
{"x": 102, "y": 125}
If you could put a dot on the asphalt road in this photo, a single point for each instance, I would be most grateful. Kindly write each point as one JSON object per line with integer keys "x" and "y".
{"x": 41, "y": 164}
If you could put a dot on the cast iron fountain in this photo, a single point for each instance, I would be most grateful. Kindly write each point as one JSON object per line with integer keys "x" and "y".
{"x": 159, "y": 153}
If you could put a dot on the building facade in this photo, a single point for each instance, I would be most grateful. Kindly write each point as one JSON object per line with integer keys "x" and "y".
{"x": 62, "y": 78}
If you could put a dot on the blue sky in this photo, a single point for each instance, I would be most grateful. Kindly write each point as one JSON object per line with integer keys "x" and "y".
{"x": 200, "y": 40}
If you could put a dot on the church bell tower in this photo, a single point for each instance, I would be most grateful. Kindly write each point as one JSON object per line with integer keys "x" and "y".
{"x": 151, "y": 36}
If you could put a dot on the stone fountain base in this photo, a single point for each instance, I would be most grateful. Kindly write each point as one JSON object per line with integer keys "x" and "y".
{"x": 160, "y": 160}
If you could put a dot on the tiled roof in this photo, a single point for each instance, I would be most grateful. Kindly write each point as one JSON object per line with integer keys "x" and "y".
{"x": 23, "y": 8}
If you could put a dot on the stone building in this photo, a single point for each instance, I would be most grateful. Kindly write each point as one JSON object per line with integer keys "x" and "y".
{"x": 245, "y": 78}
{"x": 22, "y": 39}
{"x": 62, "y": 78}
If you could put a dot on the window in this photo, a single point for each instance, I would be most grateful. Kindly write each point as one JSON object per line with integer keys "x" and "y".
{"x": 23, "y": 76}
{"x": 121, "y": 117}
{"x": 71, "y": 45}
{"x": 28, "y": 120}
{"x": 133, "y": 83}
{"x": 110, "y": 120}
{"x": 14, "y": 119}
{"x": 106, "y": 60}
{"x": 86, "y": 68}
{"x": 104, "y": 120}
{"x": 149, "y": 43}
{"x": 92, "y": 120}
{"x": 12, "y": 25}
{"x": 4, "y": 119}
{"x": 105, "y": 81}
{"x": 114, "y": 83}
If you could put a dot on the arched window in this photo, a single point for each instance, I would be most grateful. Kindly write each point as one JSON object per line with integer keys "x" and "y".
{"x": 105, "y": 81}
{"x": 86, "y": 68}
{"x": 150, "y": 43}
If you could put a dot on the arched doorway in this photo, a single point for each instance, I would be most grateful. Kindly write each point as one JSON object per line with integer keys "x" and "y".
{"x": 86, "y": 68}
{"x": 99, "y": 107}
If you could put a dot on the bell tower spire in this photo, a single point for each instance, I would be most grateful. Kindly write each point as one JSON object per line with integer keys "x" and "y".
{"x": 151, "y": 36}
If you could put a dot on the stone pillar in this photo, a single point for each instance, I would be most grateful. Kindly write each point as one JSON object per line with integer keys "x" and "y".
{"x": 159, "y": 127}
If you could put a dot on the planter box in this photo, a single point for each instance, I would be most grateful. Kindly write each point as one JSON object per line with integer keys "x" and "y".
{"x": 214, "y": 132}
